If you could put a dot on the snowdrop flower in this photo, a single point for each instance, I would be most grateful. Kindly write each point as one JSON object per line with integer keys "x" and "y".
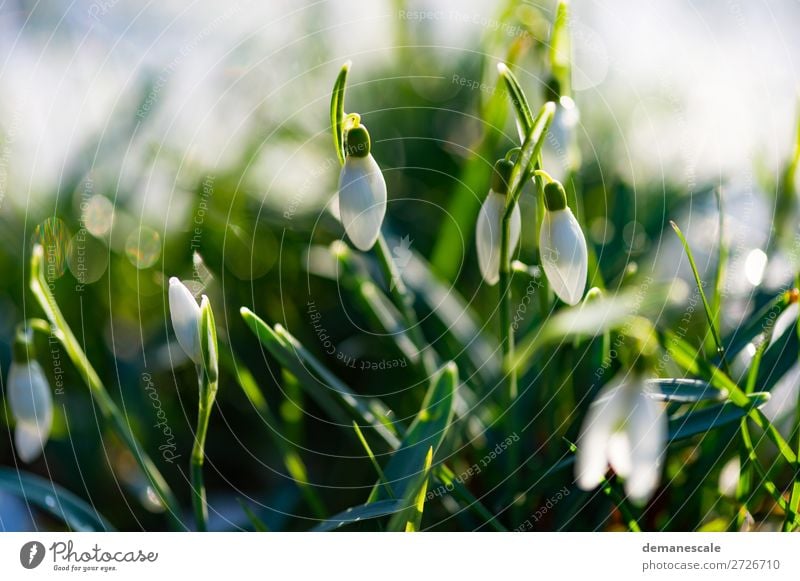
{"x": 627, "y": 429}
{"x": 185, "y": 313}
{"x": 31, "y": 404}
{"x": 562, "y": 246}
{"x": 488, "y": 231}
{"x": 362, "y": 191}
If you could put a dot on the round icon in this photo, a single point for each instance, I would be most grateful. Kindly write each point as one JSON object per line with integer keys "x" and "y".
{"x": 31, "y": 554}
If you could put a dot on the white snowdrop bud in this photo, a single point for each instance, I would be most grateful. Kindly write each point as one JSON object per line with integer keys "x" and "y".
{"x": 185, "y": 314}
{"x": 562, "y": 247}
{"x": 31, "y": 404}
{"x": 626, "y": 429}
{"x": 362, "y": 191}
{"x": 488, "y": 231}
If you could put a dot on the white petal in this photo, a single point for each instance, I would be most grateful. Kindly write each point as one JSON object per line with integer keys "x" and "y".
{"x": 362, "y": 200}
{"x": 647, "y": 433}
{"x": 185, "y": 313}
{"x": 29, "y": 393}
{"x": 31, "y": 404}
{"x": 563, "y": 251}
{"x": 729, "y": 478}
{"x": 602, "y": 420}
{"x": 29, "y": 440}
{"x": 488, "y": 234}
{"x": 619, "y": 453}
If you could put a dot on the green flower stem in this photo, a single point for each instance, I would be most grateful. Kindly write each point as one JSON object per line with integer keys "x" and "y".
{"x": 199, "y": 501}
{"x": 108, "y": 409}
{"x": 207, "y": 377}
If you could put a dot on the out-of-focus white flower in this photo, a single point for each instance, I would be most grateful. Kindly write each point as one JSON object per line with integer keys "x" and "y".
{"x": 185, "y": 314}
{"x": 729, "y": 478}
{"x": 558, "y": 152}
{"x": 626, "y": 429}
{"x": 562, "y": 247}
{"x": 362, "y": 191}
{"x": 31, "y": 405}
{"x": 488, "y": 231}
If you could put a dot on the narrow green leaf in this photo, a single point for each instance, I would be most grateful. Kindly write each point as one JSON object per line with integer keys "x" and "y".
{"x": 522, "y": 109}
{"x": 258, "y": 524}
{"x": 320, "y": 383}
{"x": 359, "y": 513}
{"x": 685, "y": 390}
{"x": 560, "y": 47}
{"x": 54, "y": 500}
{"x": 710, "y": 316}
{"x": 381, "y": 475}
{"x": 337, "y": 110}
{"x": 427, "y": 431}
{"x": 713, "y": 417}
{"x": 410, "y": 518}
{"x": 293, "y": 462}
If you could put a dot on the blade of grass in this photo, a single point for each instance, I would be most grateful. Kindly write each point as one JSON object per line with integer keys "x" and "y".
{"x": 410, "y": 518}
{"x": 292, "y": 461}
{"x": 58, "y": 502}
{"x": 381, "y": 475}
{"x": 710, "y": 316}
{"x": 427, "y": 430}
{"x": 359, "y": 513}
{"x": 794, "y": 496}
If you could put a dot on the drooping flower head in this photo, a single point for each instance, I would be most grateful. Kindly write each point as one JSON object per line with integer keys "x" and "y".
{"x": 488, "y": 231}
{"x": 362, "y": 190}
{"x": 562, "y": 246}
{"x": 626, "y": 429}
{"x": 30, "y": 401}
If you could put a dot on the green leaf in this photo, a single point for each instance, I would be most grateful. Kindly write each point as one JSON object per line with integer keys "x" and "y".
{"x": 337, "y": 110}
{"x": 53, "y": 499}
{"x": 710, "y": 316}
{"x": 531, "y": 147}
{"x": 427, "y": 431}
{"x": 560, "y": 47}
{"x": 381, "y": 475}
{"x": 713, "y": 417}
{"x": 522, "y": 109}
{"x": 258, "y": 524}
{"x": 410, "y": 518}
{"x": 457, "y": 319}
{"x": 590, "y": 319}
{"x": 292, "y": 460}
{"x": 318, "y": 382}
{"x": 359, "y": 513}
{"x": 685, "y": 390}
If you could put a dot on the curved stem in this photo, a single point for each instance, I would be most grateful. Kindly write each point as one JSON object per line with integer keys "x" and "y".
{"x": 61, "y": 331}
{"x": 199, "y": 501}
